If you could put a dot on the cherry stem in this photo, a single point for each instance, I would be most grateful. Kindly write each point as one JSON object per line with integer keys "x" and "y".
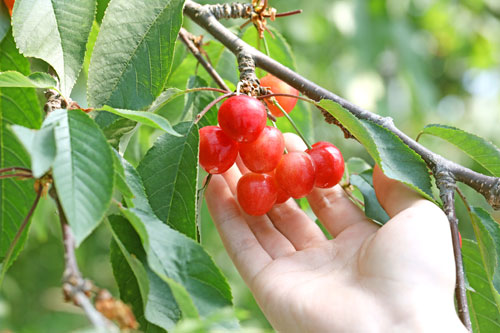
{"x": 266, "y": 47}
{"x": 14, "y": 175}
{"x": 9, "y": 169}
{"x": 222, "y": 91}
{"x": 275, "y": 102}
{"x": 210, "y": 105}
{"x": 290, "y": 13}
{"x": 18, "y": 234}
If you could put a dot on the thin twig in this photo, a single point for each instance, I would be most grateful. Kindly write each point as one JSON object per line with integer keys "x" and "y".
{"x": 14, "y": 169}
{"x": 292, "y": 12}
{"x": 210, "y": 105}
{"x": 186, "y": 38}
{"x": 447, "y": 186}
{"x": 75, "y": 287}
{"x": 16, "y": 175}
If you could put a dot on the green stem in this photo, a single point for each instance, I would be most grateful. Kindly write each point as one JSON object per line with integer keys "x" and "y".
{"x": 275, "y": 102}
{"x": 266, "y": 47}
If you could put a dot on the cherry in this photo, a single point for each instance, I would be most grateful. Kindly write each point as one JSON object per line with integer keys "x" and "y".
{"x": 217, "y": 151}
{"x": 460, "y": 239}
{"x": 279, "y": 87}
{"x": 282, "y": 195}
{"x": 256, "y": 193}
{"x": 295, "y": 174}
{"x": 263, "y": 154}
{"x": 329, "y": 164}
{"x": 9, "y": 4}
{"x": 242, "y": 118}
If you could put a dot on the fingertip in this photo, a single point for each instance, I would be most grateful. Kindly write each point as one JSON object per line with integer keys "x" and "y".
{"x": 393, "y": 195}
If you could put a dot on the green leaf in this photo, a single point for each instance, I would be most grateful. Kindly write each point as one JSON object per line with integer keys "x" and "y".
{"x": 83, "y": 171}
{"x": 482, "y": 298}
{"x": 55, "y": 31}
{"x": 487, "y": 232}
{"x": 145, "y": 118}
{"x": 165, "y": 97}
{"x": 480, "y": 150}
{"x": 356, "y": 165}
{"x": 169, "y": 171}
{"x": 120, "y": 180}
{"x": 35, "y": 80}
{"x": 101, "y": 8}
{"x": 148, "y": 295}
{"x": 173, "y": 256}
{"x": 394, "y": 157}
{"x": 130, "y": 66}
{"x": 373, "y": 210}
{"x": 17, "y": 106}
{"x": 114, "y": 127}
{"x": 41, "y": 146}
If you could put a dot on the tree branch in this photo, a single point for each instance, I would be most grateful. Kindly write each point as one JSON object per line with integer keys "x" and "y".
{"x": 75, "y": 287}
{"x": 488, "y": 186}
{"x": 187, "y": 39}
{"x": 447, "y": 185}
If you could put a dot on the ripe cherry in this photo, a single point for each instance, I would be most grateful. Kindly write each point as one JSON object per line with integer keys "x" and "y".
{"x": 256, "y": 193}
{"x": 217, "y": 151}
{"x": 282, "y": 195}
{"x": 295, "y": 174}
{"x": 9, "y": 4}
{"x": 242, "y": 118}
{"x": 329, "y": 164}
{"x": 263, "y": 154}
{"x": 279, "y": 87}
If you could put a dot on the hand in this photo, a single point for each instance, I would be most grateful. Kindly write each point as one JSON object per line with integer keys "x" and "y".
{"x": 399, "y": 277}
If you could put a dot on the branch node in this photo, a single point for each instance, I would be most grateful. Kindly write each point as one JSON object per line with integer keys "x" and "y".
{"x": 250, "y": 84}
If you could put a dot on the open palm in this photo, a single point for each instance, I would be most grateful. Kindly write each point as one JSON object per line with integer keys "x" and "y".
{"x": 399, "y": 277}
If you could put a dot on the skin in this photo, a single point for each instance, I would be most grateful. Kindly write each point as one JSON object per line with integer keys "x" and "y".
{"x": 395, "y": 278}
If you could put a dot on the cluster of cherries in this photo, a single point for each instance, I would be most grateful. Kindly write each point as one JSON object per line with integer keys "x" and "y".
{"x": 274, "y": 177}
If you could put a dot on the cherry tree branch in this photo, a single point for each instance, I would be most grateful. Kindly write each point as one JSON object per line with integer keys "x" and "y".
{"x": 187, "y": 39}
{"x": 75, "y": 287}
{"x": 447, "y": 186}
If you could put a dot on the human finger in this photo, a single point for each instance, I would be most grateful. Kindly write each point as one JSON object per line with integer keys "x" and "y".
{"x": 243, "y": 248}
{"x": 393, "y": 195}
{"x": 271, "y": 239}
{"x": 337, "y": 212}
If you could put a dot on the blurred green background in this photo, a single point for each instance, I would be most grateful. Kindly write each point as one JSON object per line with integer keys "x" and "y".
{"x": 417, "y": 61}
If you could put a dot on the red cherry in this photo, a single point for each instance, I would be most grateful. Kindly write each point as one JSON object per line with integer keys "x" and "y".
{"x": 217, "y": 151}
{"x": 329, "y": 164}
{"x": 263, "y": 154}
{"x": 460, "y": 239}
{"x": 256, "y": 193}
{"x": 242, "y": 118}
{"x": 295, "y": 174}
{"x": 279, "y": 87}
